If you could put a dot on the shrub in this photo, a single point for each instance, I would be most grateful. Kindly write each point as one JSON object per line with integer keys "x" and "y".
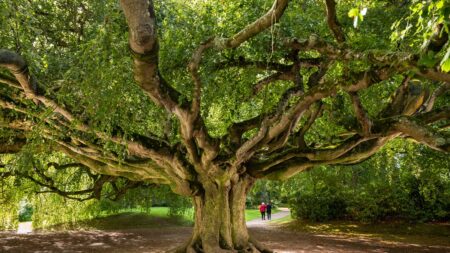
{"x": 321, "y": 206}
{"x": 25, "y": 211}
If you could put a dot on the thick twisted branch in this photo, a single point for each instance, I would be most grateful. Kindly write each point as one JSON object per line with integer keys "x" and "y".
{"x": 423, "y": 134}
{"x": 315, "y": 113}
{"x": 264, "y": 22}
{"x": 259, "y": 25}
{"x": 12, "y": 62}
{"x": 361, "y": 114}
{"x": 51, "y": 185}
{"x": 357, "y": 149}
{"x": 400, "y": 61}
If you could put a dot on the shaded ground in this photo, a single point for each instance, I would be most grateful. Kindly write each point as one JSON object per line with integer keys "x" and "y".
{"x": 164, "y": 235}
{"x": 408, "y": 233}
{"x": 289, "y": 242}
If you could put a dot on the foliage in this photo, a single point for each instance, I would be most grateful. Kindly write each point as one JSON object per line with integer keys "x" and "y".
{"x": 404, "y": 181}
{"x": 265, "y": 191}
{"x": 423, "y": 18}
{"x": 48, "y": 209}
{"x": 319, "y": 206}
{"x": 98, "y": 98}
{"x": 79, "y": 53}
{"x": 25, "y": 211}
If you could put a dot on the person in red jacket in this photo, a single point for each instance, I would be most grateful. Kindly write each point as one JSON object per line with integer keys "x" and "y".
{"x": 262, "y": 209}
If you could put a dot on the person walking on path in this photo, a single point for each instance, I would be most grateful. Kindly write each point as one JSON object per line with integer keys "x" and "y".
{"x": 258, "y": 223}
{"x": 269, "y": 210}
{"x": 262, "y": 209}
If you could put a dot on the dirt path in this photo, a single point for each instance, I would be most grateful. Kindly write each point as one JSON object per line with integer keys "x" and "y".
{"x": 129, "y": 240}
{"x": 163, "y": 238}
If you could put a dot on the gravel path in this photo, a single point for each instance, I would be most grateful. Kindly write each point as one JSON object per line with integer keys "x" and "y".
{"x": 264, "y": 223}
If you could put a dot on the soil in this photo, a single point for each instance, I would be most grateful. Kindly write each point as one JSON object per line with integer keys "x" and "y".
{"x": 162, "y": 239}
{"x": 165, "y": 237}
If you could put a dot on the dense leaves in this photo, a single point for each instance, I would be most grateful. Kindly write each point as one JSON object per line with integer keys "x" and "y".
{"x": 402, "y": 182}
{"x": 19, "y": 202}
{"x": 207, "y": 97}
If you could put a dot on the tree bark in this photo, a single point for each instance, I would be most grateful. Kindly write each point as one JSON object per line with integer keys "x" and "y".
{"x": 220, "y": 219}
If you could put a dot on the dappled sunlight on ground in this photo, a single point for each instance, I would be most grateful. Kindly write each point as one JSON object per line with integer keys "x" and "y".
{"x": 130, "y": 240}
{"x": 129, "y": 233}
{"x": 162, "y": 239}
{"x": 284, "y": 241}
{"x": 388, "y": 232}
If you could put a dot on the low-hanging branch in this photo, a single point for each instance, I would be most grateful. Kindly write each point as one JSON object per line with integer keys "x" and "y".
{"x": 153, "y": 148}
{"x": 275, "y": 130}
{"x": 96, "y": 191}
{"x": 361, "y": 114}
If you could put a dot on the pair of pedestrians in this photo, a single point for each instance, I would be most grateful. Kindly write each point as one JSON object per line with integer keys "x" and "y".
{"x": 263, "y": 209}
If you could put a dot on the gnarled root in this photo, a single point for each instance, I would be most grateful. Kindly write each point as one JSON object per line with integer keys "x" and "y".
{"x": 197, "y": 247}
{"x": 259, "y": 246}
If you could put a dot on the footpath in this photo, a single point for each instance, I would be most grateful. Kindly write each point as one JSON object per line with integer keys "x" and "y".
{"x": 283, "y": 212}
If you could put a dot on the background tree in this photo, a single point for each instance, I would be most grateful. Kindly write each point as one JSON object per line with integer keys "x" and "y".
{"x": 402, "y": 182}
{"x": 277, "y": 90}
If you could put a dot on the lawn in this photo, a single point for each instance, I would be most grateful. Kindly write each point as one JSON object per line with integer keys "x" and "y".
{"x": 250, "y": 214}
{"x": 137, "y": 218}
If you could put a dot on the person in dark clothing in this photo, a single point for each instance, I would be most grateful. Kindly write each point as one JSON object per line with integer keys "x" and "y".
{"x": 269, "y": 210}
{"x": 262, "y": 210}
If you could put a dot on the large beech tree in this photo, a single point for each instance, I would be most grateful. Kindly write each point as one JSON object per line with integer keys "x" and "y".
{"x": 224, "y": 93}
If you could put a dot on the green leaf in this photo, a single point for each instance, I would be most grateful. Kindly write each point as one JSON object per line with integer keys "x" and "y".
{"x": 361, "y": 17}
{"x": 428, "y": 60}
{"x": 353, "y": 12}
{"x": 445, "y": 12}
{"x": 440, "y": 4}
{"x": 445, "y": 63}
{"x": 445, "y": 66}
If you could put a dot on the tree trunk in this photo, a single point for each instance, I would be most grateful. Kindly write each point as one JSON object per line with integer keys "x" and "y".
{"x": 220, "y": 220}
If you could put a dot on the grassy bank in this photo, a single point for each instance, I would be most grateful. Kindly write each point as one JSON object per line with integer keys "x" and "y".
{"x": 137, "y": 218}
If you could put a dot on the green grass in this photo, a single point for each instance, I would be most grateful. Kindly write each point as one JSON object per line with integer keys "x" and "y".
{"x": 420, "y": 233}
{"x": 164, "y": 212}
{"x": 123, "y": 221}
{"x": 130, "y": 218}
{"x": 161, "y": 212}
{"x": 137, "y": 218}
{"x": 250, "y": 214}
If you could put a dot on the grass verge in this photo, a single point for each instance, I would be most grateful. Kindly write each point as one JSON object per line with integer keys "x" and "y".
{"x": 136, "y": 218}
